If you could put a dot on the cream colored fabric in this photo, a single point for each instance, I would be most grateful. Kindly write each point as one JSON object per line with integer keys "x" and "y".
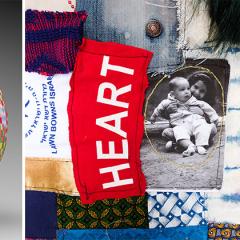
{"x": 51, "y": 5}
{"x": 194, "y": 24}
{"x": 45, "y": 115}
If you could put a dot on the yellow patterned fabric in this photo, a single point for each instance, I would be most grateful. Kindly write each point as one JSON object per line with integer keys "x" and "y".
{"x": 222, "y": 231}
{"x": 110, "y": 213}
{"x": 3, "y": 126}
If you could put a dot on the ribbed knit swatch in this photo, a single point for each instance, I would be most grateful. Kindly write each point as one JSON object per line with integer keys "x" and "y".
{"x": 52, "y": 40}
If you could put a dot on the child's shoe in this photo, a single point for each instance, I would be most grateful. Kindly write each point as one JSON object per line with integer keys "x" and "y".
{"x": 189, "y": 151}
{"x": 201, "y": 150}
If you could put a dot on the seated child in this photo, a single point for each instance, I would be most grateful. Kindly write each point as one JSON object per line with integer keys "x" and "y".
{"x": 201, "y": 87}
{"x": 187, "y": 117}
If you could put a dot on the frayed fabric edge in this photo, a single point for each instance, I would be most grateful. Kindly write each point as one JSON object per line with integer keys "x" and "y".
{"x": 181, "y": 15}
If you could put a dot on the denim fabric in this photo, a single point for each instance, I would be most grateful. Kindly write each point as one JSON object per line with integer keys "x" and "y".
{"x": 124, "y": 21}
{"x": 179, "y": 233}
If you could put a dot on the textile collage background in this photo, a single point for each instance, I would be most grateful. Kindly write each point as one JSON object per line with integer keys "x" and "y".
{"x": 175, "y": 205}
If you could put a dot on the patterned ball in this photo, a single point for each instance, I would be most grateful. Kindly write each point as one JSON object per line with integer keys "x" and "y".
{"x": 3, "y": 126}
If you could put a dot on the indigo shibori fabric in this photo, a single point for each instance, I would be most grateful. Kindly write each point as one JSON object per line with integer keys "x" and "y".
{"x": 106, "y": 121}
{"x": 3, "y": 126}
{"x": 129, "y": 212}
{"x": 52, "y": 40}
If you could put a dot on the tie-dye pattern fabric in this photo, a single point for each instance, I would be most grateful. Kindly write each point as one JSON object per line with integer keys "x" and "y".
{"x": 221, "y": 231}
{"x": 179, "y": 233}
{"x": 112, "y": 213}
{"x": 3, "y": 126}
{"x": 168, "y": 209}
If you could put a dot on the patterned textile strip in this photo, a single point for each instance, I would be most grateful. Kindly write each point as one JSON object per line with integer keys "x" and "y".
{"x": 221, "y": 231}
{"x": 112, "y": 213}
{"x": 41, "y": 217}
{"x": 169, "y": 209}
{"x": 3, "y": 126}
{"x": 180, "y": 233}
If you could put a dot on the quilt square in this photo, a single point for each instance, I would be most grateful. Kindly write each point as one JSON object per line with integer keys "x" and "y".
{"x": 112, "y": 213}
{"x": 169, "y": 209}
{"x": 220, "y": 231}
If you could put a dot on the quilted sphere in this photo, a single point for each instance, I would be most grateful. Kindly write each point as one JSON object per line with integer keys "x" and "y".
{"x": 3, "y": 126}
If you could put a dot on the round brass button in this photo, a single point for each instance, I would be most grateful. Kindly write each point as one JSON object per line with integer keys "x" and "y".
{"x": 153, "y": 28}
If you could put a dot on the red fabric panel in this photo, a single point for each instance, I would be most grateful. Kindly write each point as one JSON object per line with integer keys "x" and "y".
{"x": 86, "y": 110}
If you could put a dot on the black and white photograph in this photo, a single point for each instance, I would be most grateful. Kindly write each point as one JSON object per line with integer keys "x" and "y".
{"x": 183, "y": 145}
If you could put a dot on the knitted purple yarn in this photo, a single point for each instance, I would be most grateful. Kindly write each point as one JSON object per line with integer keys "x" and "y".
{"x": 52, "y": 40}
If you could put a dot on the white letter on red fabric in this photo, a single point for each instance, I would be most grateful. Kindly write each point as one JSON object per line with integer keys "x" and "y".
{"x": 114, "y": 94}
{"x": 117, "y": 123}
{"x": 106, "y": 66}
{"x": 112, "y": 154}
{"x": 114, "y": 170}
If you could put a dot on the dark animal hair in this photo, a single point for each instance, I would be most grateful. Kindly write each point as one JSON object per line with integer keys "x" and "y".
{"x": 225, "y": 21}
{"x": 208, "y": 81}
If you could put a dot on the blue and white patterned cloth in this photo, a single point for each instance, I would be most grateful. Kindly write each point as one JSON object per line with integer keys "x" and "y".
{"x": 168, "y": 209}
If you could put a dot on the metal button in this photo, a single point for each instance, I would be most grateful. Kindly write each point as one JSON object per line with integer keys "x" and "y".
{"x": 153, "y": 28}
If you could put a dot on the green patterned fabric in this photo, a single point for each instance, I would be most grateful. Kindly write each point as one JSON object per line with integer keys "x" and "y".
{"x": 3, "y": 126}
{"x": 112, "y": 213}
